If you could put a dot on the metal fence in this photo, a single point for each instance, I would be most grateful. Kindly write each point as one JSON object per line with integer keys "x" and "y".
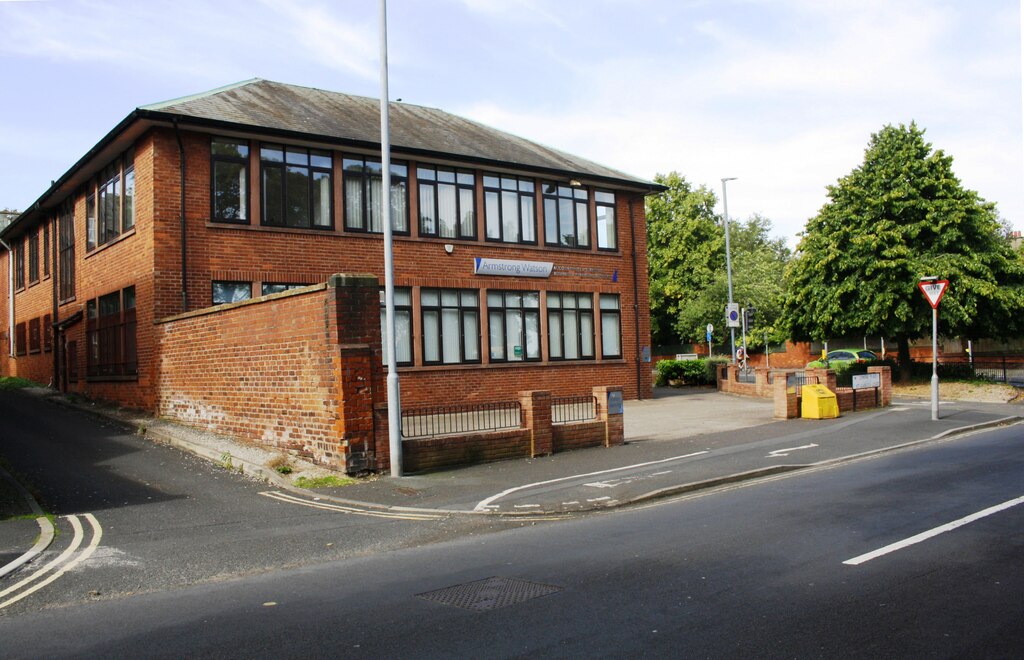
{"x": 797, "y": 381}
{"x": 1001, "y": 368}
{"x": 565, "y": 409}
{"x": 747, "y": 375}
{"x": 429, "y": 421}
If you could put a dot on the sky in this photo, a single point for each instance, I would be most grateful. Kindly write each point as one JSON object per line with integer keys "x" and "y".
{"x": 784, "y": 95}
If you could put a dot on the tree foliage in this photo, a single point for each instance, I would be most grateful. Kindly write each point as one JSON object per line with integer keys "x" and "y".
{"x": 899, "y": 216}
{"x": 688, "y": 281}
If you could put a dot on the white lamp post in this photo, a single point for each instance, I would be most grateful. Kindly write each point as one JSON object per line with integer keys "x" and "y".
{"x": 728, "y": 263}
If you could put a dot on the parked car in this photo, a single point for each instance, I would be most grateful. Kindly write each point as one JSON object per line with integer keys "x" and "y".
{"x": 843, "y": 357}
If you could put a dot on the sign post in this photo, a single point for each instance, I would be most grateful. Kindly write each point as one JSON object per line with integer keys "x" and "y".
{"x": 933, "y": 289}
{"x": 710, "y": 329}
{"x": 732, "y": 321}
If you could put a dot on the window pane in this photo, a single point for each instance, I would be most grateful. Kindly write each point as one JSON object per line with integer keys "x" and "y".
{"x": 129, "y": 198}
{"x": 527, "y": 221}
{"x": 582, "y": 224}
{"x": 229, "y": 292}
{"x": 609, "y": 301}
{"x": 491, "y": 181}
{"x": 449, "y": 298}
{"x": 447, "y": 211}
{"x": 297, "y": 193}
{"x": 467, "y": 213}
{"x": 604, "y": 197}
{"x": 450, "y": 333}
{"x": 470, "y": 298}
{"x": 229, "y": 190}
{"x": 402, "y": 296}
{"x": 610, "y": 340}
{"x": 447, "y": 176}
{"x": 531, "y": 299}
{"x": 425, "y": 174}
{"x": 510, "y": 216}
{"x": 398, "y": 201}
{"x": 428, "y": 223}
{"x": 496, "y": 335}
{"x": 494, "y": 299}
{"x": 321, "y": 199}
{"x": 571, "y": 335}
{"x": 532, "y": 335}
{"x": 471, "y": 335}
{"x": 273, "y": 196}
{"x": 90, "y": 222}
{"x": 551, "y": 221}
{"x": 492, "y": 215}
{"x": 272, "y": 153}
{"x": 555, "y": 335}
{"x": 403, "y": 336}
{"x": 431, "y": 336}
{"x": 233, "y": 148}
{"x": 296, "y": 156}
{"x": 514, "y": 348}
{"x": 606, "y": 232}
{"x": 320, "y": 159}
{"x": 354, "y": 203}
{"x": 566, "y": 228}
{"x": 268, "y": 289}
{"x": 430, "y": 297}
{"x": 587, "y": 335}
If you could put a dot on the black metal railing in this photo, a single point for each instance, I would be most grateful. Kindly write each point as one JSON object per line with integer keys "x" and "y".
{"x": 798, "y": 381}
{"x": 1001, "y": 368}
{"x": 429, "y": 421}
{"x": 566, "y": 409}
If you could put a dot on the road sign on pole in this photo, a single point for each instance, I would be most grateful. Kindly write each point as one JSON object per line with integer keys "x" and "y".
{"x": 732, "y": 315}
{"x": 933, "y": 291}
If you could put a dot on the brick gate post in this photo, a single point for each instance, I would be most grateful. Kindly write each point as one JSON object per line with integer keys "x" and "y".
{"x": 614, "y": 424}
{"x": 536, "y": 406}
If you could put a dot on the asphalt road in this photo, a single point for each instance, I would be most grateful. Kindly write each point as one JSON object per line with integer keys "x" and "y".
{"x": 163, "y": 519}
{"x": 774, "y": 568}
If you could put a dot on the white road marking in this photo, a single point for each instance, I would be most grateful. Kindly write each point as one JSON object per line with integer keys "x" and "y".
{"x": 600, "y": 499}
{"x": 527, "y": 506}
{"x": 486, "y": 504}
{"x": 64, "y": 561}
{"x": 785, "y": 452}
{"x": 899, "y": 545}
{"x": 327, "y": 506}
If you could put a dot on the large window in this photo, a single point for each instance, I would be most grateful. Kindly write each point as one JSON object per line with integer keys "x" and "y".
{"x": 19, "y": 264}
{"x": 110, "y": 204}
{"x": 446, "y": 202}
{"x": 296, "y": 187}
{"x": 570, "y": 326}
{"x": 231, "y": 292}
{"x": 607, "y": 227}
{"x": 229, "y": 180}
{"x": 33, "y": 257}
{"x": 66, "y": 238}
{"x": 566, "y": 220}
{"x": 110, "y": 335}
{"x": 611, "y": 326}
{"x": 403, "y": 326}
{"x": 513, "y": 319}
{"x": 509, "y": 209}
{"x": 451, "y": 325}
{"x": 34, "y": 336}
{"x": 364, "y": 203}
{"x": 46, "y": 249}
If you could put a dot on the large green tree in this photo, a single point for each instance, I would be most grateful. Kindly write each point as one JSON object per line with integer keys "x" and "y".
{"x": 688, "y": 282}
{"x": 899, "y": 216}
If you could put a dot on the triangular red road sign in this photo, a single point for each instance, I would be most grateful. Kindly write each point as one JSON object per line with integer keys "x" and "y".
{"x": 933, "y": 291}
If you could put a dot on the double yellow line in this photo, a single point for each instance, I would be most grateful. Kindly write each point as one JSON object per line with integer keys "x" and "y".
{"x": 64, "y": 562}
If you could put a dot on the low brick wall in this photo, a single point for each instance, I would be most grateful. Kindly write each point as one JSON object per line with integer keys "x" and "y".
{"x": 787, "y": 403}
{"x": 537, "y": 437}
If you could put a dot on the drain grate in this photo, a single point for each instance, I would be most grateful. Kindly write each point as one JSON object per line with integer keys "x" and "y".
{"x": 490, "y": 593}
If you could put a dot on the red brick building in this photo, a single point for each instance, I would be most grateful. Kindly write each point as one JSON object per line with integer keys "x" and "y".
{"x": 183, "y": 266}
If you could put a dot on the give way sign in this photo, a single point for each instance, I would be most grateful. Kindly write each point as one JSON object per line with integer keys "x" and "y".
{"x": 933, "y": 291}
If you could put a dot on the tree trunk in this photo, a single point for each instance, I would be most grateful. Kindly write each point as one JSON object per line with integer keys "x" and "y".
{"x": 903, "y": 357}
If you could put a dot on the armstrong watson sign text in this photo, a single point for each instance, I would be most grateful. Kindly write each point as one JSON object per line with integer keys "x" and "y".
{"x": 511, "y": 268}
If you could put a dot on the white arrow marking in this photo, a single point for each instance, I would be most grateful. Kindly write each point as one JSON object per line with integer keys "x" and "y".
{"x": 785, "y": 452}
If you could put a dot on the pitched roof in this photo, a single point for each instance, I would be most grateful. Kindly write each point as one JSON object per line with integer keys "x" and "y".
{"x": 414, "y": 129}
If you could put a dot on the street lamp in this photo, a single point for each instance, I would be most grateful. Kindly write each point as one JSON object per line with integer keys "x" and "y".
{"x": 728, "y": 262}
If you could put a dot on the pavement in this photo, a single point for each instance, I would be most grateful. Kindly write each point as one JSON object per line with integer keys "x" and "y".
{"x": 681, "y": 441}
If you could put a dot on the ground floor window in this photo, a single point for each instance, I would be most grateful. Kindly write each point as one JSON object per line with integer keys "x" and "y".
{"x": 111, "y": 335}
{"x": 570, "y": 326}
{"x": 231, "y": 292}
{"x": 20, "y": 339}
{"x": 268, "y": 288}
{"x": 513, "y": 319}
{"x": 451, "y": 326}
{"x": 611, "y": 326}
{"x": 403, "y": 326}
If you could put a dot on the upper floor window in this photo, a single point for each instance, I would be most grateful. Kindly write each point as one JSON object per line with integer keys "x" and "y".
{"x": 33, "y": 257}
{"x": 513, "y": 320}
{"x": 296, "y": 187}
{"x": 230, "y": 292}
{"x": 570, "y": 326}
{"x": 110, "y": 204}
{"x": 19, "y": 264}
{"x": 566, "y": 220}
{"x": 66, "y": 248}
{"x": 229, "y": 180}
{"x": 451, "y": 325}
{"x": 607, "y": 227}
{"x": 446, "y": 202}
{"x": 403, "y": 327}
{"x": 364, "y": 201}
{"x": 46, "y": 249}
{"x": 509, "y": 209}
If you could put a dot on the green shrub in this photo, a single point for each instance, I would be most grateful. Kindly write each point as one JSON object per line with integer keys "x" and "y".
{"x": 688, "y": 372}
{"x": 668, "y": 370}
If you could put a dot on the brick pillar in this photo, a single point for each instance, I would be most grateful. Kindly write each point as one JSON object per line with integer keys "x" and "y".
{"x": 785, "y": 401}
{"x": 353, "y": 319}
{"x": 537, "y": 417}
{"x": 885, "y": 391}
{"x": 826, "y": 377}
{"x": 614, "y": 424}
{"x": 761, "y": 387}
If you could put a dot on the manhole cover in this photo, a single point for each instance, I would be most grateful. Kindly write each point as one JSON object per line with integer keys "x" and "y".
{"x": 490, "y": 593}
